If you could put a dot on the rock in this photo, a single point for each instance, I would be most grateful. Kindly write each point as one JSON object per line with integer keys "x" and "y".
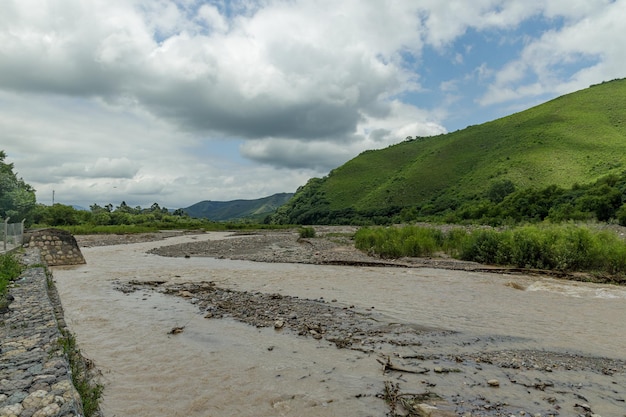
{"x": 493, "y": 383}
{"x": 425, "y": 410}
{"x": 12, "y": 410}
{"x": 279, "y": 324}
{"x": 315, "y": 334}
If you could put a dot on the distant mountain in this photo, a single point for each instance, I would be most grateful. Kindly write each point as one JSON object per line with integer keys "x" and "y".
{"x": 238, "y": 209}
{"x": 574, "y": 139}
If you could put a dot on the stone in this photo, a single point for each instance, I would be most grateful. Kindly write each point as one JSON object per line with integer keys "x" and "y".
{"x": 13, "y": 410}
{"x": 34, "y": 377}
{"x": 38, "y": 399}
{"x": 425, "y": 410}
{"x": 48, "y": 411}
{"x": 493, "y": 383}
{"x": 279, "y": 324}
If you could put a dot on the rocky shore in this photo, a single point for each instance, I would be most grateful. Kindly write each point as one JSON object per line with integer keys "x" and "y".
{"x": 35, "y": 376}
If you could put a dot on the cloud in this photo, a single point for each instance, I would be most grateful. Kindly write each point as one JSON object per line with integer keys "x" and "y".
{"x": 101, "y": 168}
{"x": 587, "y": 49}
{"x": 291, "y": 70}
{"x": 371, "y": 133}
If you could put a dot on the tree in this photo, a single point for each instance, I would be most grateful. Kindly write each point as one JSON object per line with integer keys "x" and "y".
{"x": 61, "y": 215}
{"x": 17, "y": 199}
{"x": 499, "y": 190}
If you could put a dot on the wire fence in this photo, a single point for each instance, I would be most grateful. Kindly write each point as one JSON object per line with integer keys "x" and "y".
{"x": 11, "y": 235}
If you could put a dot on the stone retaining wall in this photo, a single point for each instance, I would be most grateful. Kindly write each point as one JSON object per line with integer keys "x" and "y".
{"x": 57, "y": 247}
{"x": 35, "y": 379}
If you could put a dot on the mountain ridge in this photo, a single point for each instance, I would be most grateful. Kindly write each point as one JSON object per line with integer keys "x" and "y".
{"x": 255, "y": 209}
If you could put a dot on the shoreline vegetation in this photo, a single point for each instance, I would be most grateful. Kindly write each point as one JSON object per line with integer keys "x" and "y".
{"x": 563, "y": 248}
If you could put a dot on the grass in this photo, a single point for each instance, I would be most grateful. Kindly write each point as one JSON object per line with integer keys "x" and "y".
{"x": 89, "y": 392}
{"x": 563, "y": 248}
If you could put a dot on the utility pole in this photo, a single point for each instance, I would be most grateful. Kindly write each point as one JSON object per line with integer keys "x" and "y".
{"x": 53, "y": 197}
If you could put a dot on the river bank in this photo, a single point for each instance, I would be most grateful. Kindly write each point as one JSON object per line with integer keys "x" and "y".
{"x": 35, "y": 374}
{"x": 458, "y": 373}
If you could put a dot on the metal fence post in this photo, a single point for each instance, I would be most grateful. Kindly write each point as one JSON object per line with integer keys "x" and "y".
{"x": 6, "y": 231}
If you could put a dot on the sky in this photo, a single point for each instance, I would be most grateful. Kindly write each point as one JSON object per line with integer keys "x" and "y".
{"x": 180, "y": 101}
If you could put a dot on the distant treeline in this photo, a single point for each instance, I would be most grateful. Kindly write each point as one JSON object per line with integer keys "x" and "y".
{"x": 124, "y": 219}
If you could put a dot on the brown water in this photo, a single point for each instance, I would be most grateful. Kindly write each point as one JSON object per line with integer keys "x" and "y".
{"x": 221, "y": 367}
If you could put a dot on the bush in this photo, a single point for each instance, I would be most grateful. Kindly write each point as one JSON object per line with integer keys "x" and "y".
{"x": 396, "y": 242}
{"x": 486, "y": 246}
{"x": 10, "y": 268}
{"x": 555, "y": 247}
{"x": 306, "y": 232}
{"x": 529, "y": 249}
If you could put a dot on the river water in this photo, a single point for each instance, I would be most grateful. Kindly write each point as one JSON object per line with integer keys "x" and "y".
{"x": 222, "y": 367}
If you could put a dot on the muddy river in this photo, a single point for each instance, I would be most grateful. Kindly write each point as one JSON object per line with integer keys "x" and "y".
{"x": 225, "y": 367}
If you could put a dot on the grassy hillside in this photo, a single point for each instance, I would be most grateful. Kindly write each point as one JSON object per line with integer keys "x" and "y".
{"x": 238, "y": 209}
{"x": 574, "y": 139}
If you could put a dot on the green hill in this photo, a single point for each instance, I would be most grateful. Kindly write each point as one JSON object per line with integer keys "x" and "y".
{"x": 574, "y": 139}
{"x": 255, "y": 210}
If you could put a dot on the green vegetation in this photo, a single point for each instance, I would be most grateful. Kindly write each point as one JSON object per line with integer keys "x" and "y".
{"x": 17, "y": 199}
{"x": 396, "y": 242}
{"x": 10, "y": 268}
{"x": 306, "y": 232}
{"x": 578, "y": 138}
{"x": 563, "y": 248}
{"x": 124, "y": 219}
{"x": 89, "y": 391}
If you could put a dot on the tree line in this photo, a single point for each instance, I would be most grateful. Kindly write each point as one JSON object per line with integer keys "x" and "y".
{"x": 502, "y": 204}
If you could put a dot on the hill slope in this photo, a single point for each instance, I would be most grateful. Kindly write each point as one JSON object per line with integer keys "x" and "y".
{"x": 238, "y": 209}
{"x": 576, "y": 138}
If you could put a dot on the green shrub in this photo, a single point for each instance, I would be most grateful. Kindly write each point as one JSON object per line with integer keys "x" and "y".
{"x": 529, "y": 249}
{"x": 10, "y": 268}
{"x": 396, "y": 242}
{"x": 486, "y": 246}
{"x": 306, "y": 232}
{"x": 454, "y": 242}
{"x": 565, "y": 247}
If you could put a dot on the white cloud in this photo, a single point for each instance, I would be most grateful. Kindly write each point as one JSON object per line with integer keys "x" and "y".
{"x": 591, "y": 39}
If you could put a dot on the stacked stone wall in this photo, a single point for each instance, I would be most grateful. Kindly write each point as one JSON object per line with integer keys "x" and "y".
{"x": 35, "y": 375}
{"x": 57, "y": 247}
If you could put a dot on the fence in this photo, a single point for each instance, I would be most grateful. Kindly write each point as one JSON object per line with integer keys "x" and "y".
{"x": 11, "y": 235}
